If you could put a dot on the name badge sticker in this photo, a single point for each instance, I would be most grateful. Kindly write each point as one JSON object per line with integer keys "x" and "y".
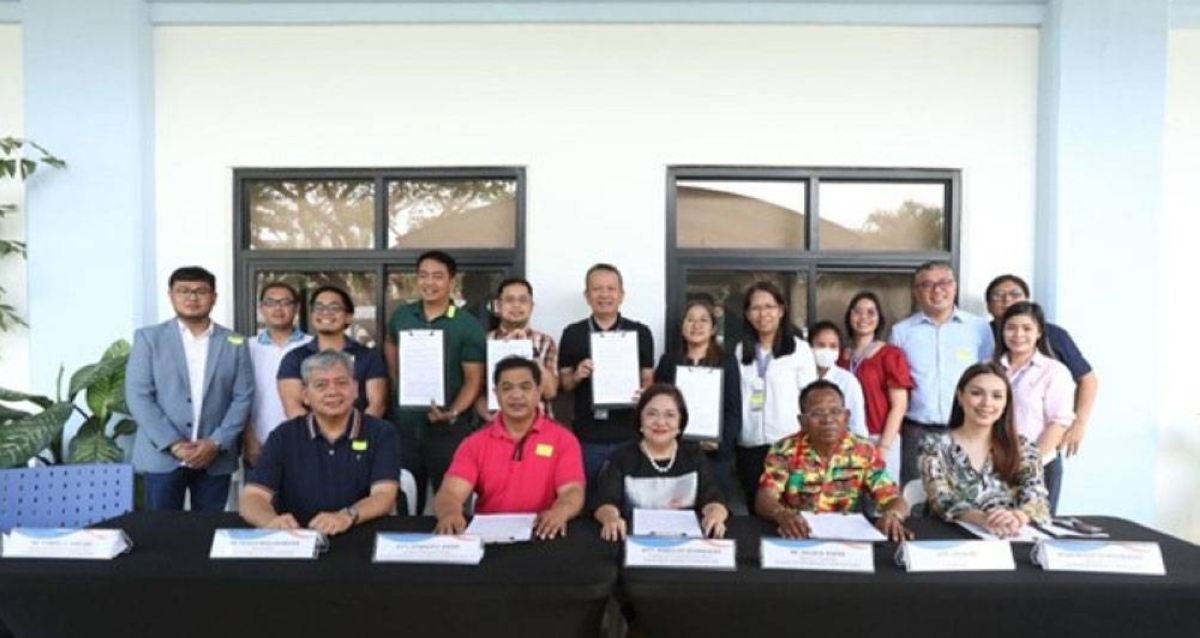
{"x": 358, "y": 445}
{"x": 544, "y": 449}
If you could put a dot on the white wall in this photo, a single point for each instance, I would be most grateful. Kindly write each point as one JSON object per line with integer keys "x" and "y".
{"x": 596, "y": 113}
{"x": 1179, "y": 431}
{"x": 14, "y": 345}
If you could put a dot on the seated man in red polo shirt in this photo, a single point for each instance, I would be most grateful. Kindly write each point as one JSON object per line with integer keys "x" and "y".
{"x": 520, "y": 462}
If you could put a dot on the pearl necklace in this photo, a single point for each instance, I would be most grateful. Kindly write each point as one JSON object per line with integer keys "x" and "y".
{"x": 654, "y": 463}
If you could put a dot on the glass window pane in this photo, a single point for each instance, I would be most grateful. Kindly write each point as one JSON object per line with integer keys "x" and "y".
{"x": 882, "y": 216}
{"x": 462, "y": 213}
{"x": 297, "y": 214}
{"x": 362, "y": 287}
{"x": 758, "y": 214}
{"x": 834, "y": 290}
{"x": 473, "y": 291}
{"x": 726, "y": 289}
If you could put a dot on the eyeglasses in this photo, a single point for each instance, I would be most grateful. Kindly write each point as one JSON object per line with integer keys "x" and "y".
{"x": 334, "y": 308}
{"x": 941, "y": 284}
{"x": 824, "y": 415}
{"x": 191, "y": 293}
{"x": 1015, "y": 294}
{"x": 278, "y": 303}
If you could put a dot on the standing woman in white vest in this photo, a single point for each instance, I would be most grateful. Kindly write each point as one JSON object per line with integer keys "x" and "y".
{"x": 775, "y": 365}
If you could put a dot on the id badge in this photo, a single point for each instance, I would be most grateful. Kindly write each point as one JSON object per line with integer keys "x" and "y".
{"x": 758, "y": 395}
{"x": 600, "y": 414}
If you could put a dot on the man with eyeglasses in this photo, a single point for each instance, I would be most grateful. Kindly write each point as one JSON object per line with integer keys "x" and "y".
{"x": 514, "y": 308}
{"x": 940, "y": 341}
{"x": 277, "y": 304}
{"x": 825, "y": 468}
{"x": 189, "y": 386}
{"x": 330, "y": 311}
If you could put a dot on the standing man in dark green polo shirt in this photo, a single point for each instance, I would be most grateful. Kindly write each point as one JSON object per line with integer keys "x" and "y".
{"x": 601, "y": 431}
{"x": 429, "y": 436}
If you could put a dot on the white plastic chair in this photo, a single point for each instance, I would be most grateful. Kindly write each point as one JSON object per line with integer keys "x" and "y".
{"x": 408, "y": 486}
{"x": 914, "y": 493}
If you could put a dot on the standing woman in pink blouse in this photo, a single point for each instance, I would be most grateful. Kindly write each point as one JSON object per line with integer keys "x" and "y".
{"x": 1043, "y": 390}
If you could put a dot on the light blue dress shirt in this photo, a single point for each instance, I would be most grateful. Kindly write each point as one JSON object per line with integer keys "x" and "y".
{"x": 937, "y": 356}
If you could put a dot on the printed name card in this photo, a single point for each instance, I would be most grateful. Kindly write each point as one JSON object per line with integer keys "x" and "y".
{"x": 817, "y": 555}
{"x": 397, "y": 547}
{"x": 955, "y": 556}
{"x": 34, "y": 542}
{"x": 1112, "y": 557}
{"x": 684, "y": 553}
{"x": 268, "y": 543}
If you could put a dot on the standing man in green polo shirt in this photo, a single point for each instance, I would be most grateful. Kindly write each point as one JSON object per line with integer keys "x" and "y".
{"x": 429, "y": 436}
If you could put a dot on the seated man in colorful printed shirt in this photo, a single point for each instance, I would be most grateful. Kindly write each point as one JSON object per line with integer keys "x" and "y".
{"x": 824, "y": 468}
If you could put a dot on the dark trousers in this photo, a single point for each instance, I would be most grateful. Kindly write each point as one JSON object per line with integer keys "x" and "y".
{"x": 750, "y": 470}
{"x": 912, "y": 433}
{"x": 1053, "y": 477}
{"x": 426, "y": 450}
{"x": 165, "y": 491}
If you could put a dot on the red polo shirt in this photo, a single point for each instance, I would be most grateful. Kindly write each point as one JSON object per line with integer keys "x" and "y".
{"x": 512, "y": 476}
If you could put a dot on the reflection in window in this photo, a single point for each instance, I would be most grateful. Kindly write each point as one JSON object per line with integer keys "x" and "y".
{"x": 360, "y": 285}
{"x": 473, "y": 291}
{"x": 470, "y": 213}
{"x": 747, "y": 214}
{"x": 726, "y": 289}
{"x": 332, "y": 214}
{"x": 882, "y": 216}
{"x": 834, "y": 291}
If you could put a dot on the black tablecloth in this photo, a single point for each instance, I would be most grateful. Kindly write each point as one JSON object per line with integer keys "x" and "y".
{"x": 1024, "y": 603}
{"x": 169, "y": 588}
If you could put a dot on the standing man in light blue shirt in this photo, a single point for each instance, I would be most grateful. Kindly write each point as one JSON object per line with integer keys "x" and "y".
{"x": 940, "y": 341}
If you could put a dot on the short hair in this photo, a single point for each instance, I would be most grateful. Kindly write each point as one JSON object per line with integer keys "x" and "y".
{"x": 817, "y": 386}
{"x": 325, "y": 360}
{"x": 936, "y": 264}
{"x": 278, "y": 285}
{"x": 987, "y": 294}
{"x": 346, "y": 300}
{"x": 667, "y": 389}
{"x": 880, "y": 328}
{"x": 514, "y": 362}
{"x": 823, "y": 325}
{"x": 440, "y": 256}
{"x": 192, "y": 273}
{"x": 603, "y": 267}
{"x": 514, "y": 281}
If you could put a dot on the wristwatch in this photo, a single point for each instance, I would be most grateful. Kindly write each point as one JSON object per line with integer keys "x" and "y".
{"x": 352, "y": 512}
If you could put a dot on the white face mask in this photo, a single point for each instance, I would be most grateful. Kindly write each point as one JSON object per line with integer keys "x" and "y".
{"x": 825, "y": 357}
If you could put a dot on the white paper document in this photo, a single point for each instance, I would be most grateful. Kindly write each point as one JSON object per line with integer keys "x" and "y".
{"x": 841, "y": 527}
{"x": 676, "y": 523}
{"x": 684, "y": 553}
{"x": 502, "y": 528}
{"x": 955, "y": 556}
{"x": 703, "y": 391}
{"x": 616, "y": 373}
{"x": 1028, "y": 533}
{"x": 268, "y": 544}
{"x": 497, "y": 351}
{"x": 815, "y": 555}
{"x": 421, "y": 365}
{"x": 71, "y": 543}
{"x": 399, "y": 547}
{"x": 1108, "y": 557}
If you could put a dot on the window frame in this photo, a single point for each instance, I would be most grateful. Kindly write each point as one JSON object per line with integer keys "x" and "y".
{"x": 810, "y": 261}
{"x": 380, "y": 259}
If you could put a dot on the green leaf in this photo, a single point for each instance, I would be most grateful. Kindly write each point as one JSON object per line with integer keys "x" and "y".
{"x": 11, "y": 247}
{"x": 28, "y": 167}
{"x": 12, "y": 396}
{"x": 22, "y": 439}
{"x": 103, "y": 390}
{"x": 125, "y": 427}
{"x": 82, "y": 378}
{"x": 10, "y": 414}
{"x": 91, "y": 445}
{"x": 119, "y": 348}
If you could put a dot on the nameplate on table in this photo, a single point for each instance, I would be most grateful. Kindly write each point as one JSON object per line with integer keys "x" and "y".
{"x": 1110, "y": 557}
{"x": 681, "y": 553}
{"x": 268, "y": 543}
{"x": 399, "y": 547}
{"x": 40, "y": 542}
{"x": 817, "y": 555}
{"x": 956, "y": 556}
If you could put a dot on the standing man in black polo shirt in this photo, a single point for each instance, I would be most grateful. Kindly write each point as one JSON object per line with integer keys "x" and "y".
{"x": 429, "y": 435}
{"x": 601, "y": 431}
{"x": 330, "y": 312}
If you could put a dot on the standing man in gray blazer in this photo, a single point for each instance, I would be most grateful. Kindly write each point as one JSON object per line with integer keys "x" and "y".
{"x": 189, "y": 385}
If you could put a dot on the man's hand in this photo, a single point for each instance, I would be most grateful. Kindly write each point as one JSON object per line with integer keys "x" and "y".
{"x": 251, "y": 451}
{"x": 331, "y": 523}
{"x": 550, "y": 523}
{"x": 583, "y": 370}
{"x": 438, "y": 415}
{"x": 791, "y": 524}
{"x": 204, "y": 452}
{"x": 892, "y": 526}
{"x": 451, "y": 524}
{"x": 283, "y": 521}
{"x": 1069, "y": 446}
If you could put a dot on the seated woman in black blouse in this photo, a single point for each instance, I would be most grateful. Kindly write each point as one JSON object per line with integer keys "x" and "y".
{"x": 660, "y": 472}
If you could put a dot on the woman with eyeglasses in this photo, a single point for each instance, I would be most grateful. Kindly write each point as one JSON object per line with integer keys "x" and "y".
{"x": 1043, "y": 391}
{"x": 776, "y": 364}
{"x": 882, "y": 370}
{"x": 981, "y": 470}
{"x": 660, "y": 472}
{"x": 698, "y": 349}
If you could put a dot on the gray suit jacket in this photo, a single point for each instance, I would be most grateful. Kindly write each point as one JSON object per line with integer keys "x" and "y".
{"x": 159, "y": 396}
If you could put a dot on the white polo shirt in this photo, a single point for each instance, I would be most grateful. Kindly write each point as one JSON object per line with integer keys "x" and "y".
{"x": 265, "y": 357}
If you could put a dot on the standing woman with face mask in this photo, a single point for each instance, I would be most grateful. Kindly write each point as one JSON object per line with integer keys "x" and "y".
{"x": 826, "y": 342}
{"x": 1043, "y": 390}
{"x": 775, "y": 365}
